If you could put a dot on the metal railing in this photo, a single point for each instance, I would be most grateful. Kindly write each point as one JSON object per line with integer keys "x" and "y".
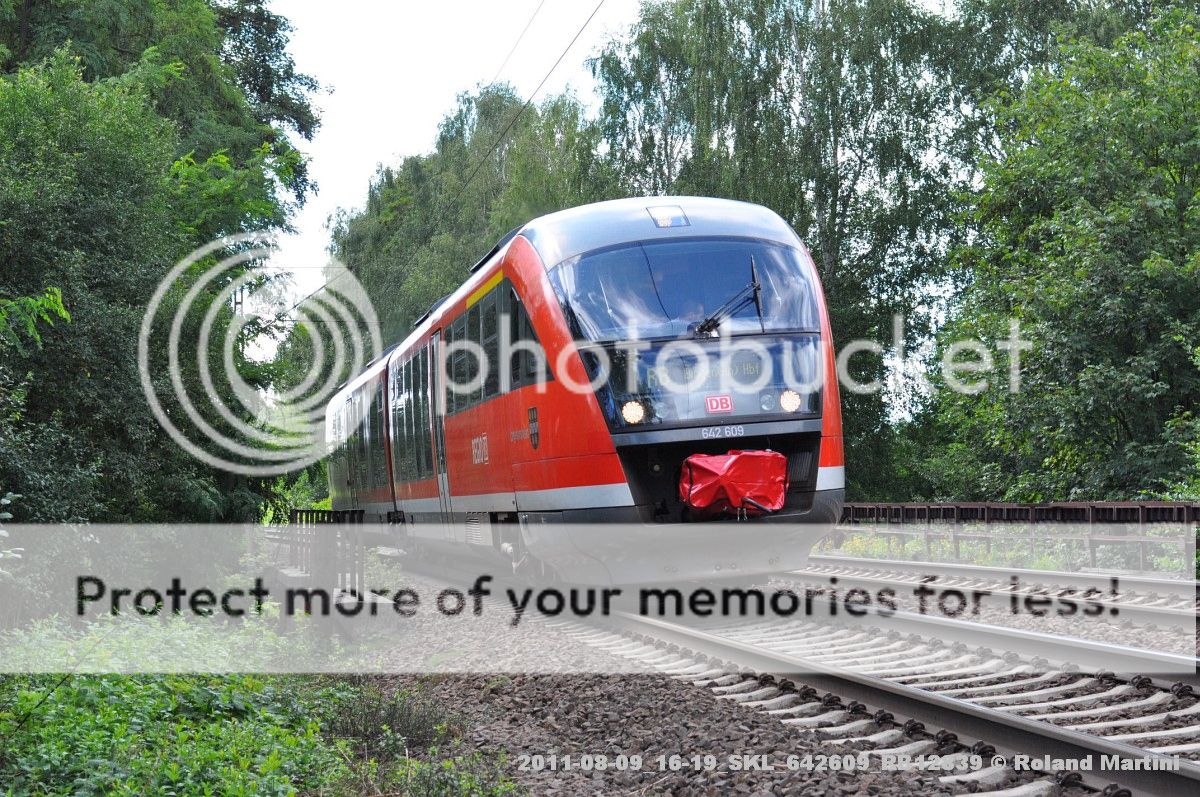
{"x": 1140, "y": 512}
{"x": 327, "y": 545}
{"x": 898, "y": 523}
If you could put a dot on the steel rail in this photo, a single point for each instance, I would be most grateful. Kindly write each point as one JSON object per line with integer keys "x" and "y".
{"x": 1125, "y": 662}
{"x": 1009, "y": 733}
{"x": 850, "y": 572}
{"x": 1175, "y": 587}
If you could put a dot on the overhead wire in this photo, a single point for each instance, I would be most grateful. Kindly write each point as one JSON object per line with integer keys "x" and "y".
{"x": 495, "y": 145}
{"x": 527, "y": 104}
{"x": 517, "y": 43}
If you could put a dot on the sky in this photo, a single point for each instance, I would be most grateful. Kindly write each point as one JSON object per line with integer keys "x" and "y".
{"x": 391, "y": 70}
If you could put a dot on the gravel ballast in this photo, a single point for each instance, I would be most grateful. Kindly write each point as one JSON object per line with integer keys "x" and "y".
{"x": 647, "y": 715}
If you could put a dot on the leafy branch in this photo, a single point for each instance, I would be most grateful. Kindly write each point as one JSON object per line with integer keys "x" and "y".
{"x": 20, "y": 317}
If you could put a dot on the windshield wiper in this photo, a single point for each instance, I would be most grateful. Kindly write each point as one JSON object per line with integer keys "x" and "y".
{"x": 748, "y": 294}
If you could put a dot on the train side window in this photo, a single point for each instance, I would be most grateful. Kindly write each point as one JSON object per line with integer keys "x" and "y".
{"x": 472, "y": 368}
{"x": 401, "y": 444}
{"x": 369, "y": 443}
{"x": 418, "y": 417}
{"x": 423, "y": 395}
{"x": 523, "y": 365}
{"x": 362, "y": 442}
{"x": 449, "y": 362}
{"x": 410, "y": 424}
{"x": 459, "y": 372}
{"x": 399, "y": 454}
{"x": 489, "y": 336}
{"x": 378, "y": 466}
{"x": 399, "y": 411}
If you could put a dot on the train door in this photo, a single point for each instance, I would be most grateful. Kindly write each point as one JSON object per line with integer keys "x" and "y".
{"x": 438, "y": 378}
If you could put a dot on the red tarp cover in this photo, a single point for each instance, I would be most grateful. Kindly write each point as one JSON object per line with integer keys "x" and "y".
{"x": 754, "y": 481}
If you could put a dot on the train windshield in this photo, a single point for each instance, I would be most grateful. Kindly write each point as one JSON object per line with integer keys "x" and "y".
{"x": 667, "y": 289}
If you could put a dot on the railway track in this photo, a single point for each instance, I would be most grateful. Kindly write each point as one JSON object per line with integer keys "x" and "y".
{"x": 1141, "y": 600}
{"x": 884, "y": 690}
{"x": 1175, "y": 589}
{"x": 900, "y": 688}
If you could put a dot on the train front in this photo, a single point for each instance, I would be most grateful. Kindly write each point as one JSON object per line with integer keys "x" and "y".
{"x": 703, "y": 327}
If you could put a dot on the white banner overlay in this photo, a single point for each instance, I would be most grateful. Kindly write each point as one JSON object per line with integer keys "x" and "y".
{"x": 130, "y": 599}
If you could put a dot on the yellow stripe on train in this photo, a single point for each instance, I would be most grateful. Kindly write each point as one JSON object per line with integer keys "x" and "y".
{"x": 482, "y": 290}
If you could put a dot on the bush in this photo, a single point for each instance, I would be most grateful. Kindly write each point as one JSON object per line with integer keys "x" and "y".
{"x": 403, "y": 743}
{"x": 230, "y": 735}
{"x": 383, "y": 725}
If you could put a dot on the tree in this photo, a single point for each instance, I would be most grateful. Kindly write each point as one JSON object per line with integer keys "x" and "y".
{"x": 132, "y": 133}
{"x": 255, "y": 48}
{"x": 191, "y": 57}
{"x": 430, "y": 217}
{"x": 841, "y": 116}
{"x": 1091, "y": 239}
{"x": 85, "y": 199}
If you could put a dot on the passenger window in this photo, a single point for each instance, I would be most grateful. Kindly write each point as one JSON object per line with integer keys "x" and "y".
{"x": 491, "y": 344}
{"x": 524, "y": 365}
{"x": 361, "y": 442}
{"x": 472, "y": 367}
{"x": 401, "y": 419}
{"x": 458, "y": 371}
{"x": 378, "y": 463}
{"x": 422, "y": 415}
{"x": 409, "y": 422}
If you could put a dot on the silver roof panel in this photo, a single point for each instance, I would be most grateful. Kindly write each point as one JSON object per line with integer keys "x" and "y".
{"x": 568, "y": 233}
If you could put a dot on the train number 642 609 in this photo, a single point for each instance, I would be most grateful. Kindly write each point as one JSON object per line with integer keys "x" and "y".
{"x": 716, "y": 432}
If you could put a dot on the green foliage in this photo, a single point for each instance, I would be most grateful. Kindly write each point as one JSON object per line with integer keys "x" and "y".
{"x": 59, "y": 475}
{"x": 256, "y": 50}
{"x": 404, "y": 743}
{"x": 307, "y": 489}
{"x": 91, "y": 203}
{"x": 130, "y": 133}
{"x": 22, "y": 315}
{"x": 1091, "y": 238}
{"x": 193, "y": 59}
{"x": 464, "y": 775}
{"x": 843, "y": 117}
{"x": 215, "y": 199}
{"x": 84, "y": 194}
{"x": 183, "y": 735}
{"x": 1012, "y": 545}
{"x": 383, "y": 725}
{"x": 424, "y": 224}
{"x": 229, "y": 735}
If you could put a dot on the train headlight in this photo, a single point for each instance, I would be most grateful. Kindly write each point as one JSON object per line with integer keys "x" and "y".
{"x": 790, "y": 401}
{"x": 767, "y": 402}
{"x": 633, "y": 412}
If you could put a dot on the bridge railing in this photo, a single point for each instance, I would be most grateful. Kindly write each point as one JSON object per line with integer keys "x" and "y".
{"x": 1030, "y": 526}
{"x": 325, "y": 547}
{"x": 1140, "y": 512}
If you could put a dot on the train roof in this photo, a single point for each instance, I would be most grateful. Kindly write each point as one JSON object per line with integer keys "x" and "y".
{"x": 567, "y": 233}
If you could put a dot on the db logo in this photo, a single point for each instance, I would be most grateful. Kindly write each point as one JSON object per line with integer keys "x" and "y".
{"x": 718, "y": 404}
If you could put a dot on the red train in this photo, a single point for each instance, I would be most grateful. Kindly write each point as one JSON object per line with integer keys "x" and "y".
{"x": 566, "y": 382}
